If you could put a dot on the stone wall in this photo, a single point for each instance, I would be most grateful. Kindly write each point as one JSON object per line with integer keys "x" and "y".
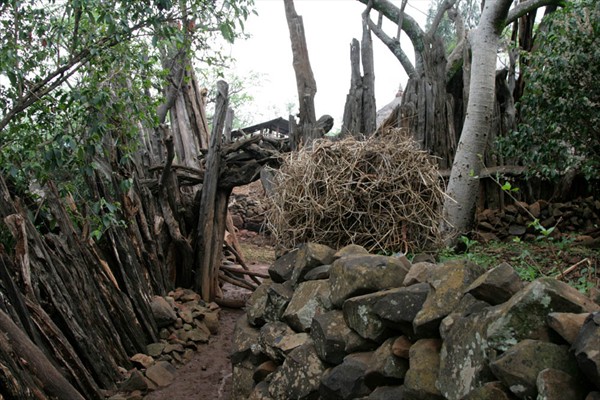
{"x": 352, "y": 325}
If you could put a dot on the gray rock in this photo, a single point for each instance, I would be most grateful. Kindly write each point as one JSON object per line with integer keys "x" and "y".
{"x": 345, "y": 381}
{"x": 350, "y": 250}
{"x": 553, "y": 384}
{"x": 464, "y": 357}
{"x": 163, "y": 312}
{"x": 310, "y": 298}
{"x": 524, "y": 315}
{"x": 361, "y": 317}
{"x": 155, "y": 349}
{"x": 135, "y": 381}
{"x": 587, "y": 348}
{"x": 242, "y": 382}
{"x": 321, "y": 272}
{"x": 384, "y": 367}
{"x": 420, "y": 379}
{"x": 162, "y": 373}
{"x": 255, "y": 306}
{"x": 299, "y": 377}
{"x": 361, "y": 274}
{"x": 474, "y": 339}
{"x": 283, "y": 267}
{"x": 387, "y": 393}
{"x": 418, "y": 273}
{"x": 490, "y": 391}
{"x": 333, "y": 339}
{"x": 398, "y": 307}
{"x": 278, "y": 298}
{"x": 519, "y": 366}
{"x": 245, "y": 343}
{"x": 310, "y": 256}
{"x": 496, "y": 285}
{"x": 467, "y": 306}
{"x": 260, "y": 392}
{"x": 448, "y": 283}
{"x": 567, "y": 325}
{"x": 290, "y": 342}
{"x": 270, "y": 335}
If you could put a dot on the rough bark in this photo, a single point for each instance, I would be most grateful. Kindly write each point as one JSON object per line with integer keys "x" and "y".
{"x": 351, "y": 124}
{"x": 305, "y": 131}
{"x": 211, "y": 224}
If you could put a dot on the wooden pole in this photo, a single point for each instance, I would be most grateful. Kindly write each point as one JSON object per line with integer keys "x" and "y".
{"x": 207, "y": 250}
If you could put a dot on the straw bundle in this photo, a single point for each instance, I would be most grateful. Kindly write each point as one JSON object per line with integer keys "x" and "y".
{"x": 383, "y": 193}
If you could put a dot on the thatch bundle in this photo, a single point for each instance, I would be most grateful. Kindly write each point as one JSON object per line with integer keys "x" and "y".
{"x": 383, "y": 193}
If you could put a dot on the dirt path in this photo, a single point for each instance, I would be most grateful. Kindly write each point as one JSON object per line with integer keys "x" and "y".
{"x": 208, "y": 375}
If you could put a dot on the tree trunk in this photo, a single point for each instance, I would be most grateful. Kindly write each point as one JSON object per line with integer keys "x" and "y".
{"x": 305, "y": 132}
{"x": 352, "y": 120}
{"x": 360, "y": 111}
{"x": 463, "y": 186}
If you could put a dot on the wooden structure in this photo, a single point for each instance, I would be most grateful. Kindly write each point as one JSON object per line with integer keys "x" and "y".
{"x": 276, "y": 128}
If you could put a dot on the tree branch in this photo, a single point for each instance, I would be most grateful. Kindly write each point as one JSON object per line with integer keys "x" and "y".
{"x": 409, "y": 25}
{"x": 455, "y": 58}
{"x": 527, "y": 6}
{"x": 446, "y": 5}
{"x": 395, "y": 48}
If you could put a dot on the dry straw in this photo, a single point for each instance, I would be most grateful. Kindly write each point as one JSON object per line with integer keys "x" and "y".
{"x": 383, "y": 193}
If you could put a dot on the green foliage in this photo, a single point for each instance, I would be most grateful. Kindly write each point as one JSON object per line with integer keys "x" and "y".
{"x": 532, "y": 260}
{"x": 560, "y": 109}
{"x": 79, "y": 78}
{"x": 469, "y": 11}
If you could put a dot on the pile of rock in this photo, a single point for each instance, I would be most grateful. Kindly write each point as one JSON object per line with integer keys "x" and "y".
{"x": 185, "y": 322}
{"x": 247, "y": 211}
{"x": 581, "y": 216}
{"x": 352, "y": 325}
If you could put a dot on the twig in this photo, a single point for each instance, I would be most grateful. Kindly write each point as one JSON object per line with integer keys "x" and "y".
{"x": 573, "y": 267}
{"x": 243, "y": 271}
{"x": 237, "y": 282}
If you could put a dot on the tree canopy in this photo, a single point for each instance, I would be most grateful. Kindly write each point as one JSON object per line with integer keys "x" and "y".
{"x": 73, "y": 71}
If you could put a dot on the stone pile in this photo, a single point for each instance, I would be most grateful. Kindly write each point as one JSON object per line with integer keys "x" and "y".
{"x": 185, "y": 322}
{"x": 248, "y": 211}
{"x": 581, "y": 216}
{"x": 352, "y": 325}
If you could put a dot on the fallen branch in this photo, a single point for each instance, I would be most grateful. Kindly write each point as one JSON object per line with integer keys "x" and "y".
{"x": 237, "y": 282}
{"x": 573, "y": 267}
{"x": 244, "y": 272}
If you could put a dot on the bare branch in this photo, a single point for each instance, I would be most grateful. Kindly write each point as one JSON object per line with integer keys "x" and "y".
{"x": 527, "y": 6}
{"x": 395, "y": 48}
{"x": 456, "y": 56}
{"x": 409, "y": 25}
{"x": 446, "y": 5}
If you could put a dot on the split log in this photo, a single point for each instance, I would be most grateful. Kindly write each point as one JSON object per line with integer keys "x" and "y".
{"x": 213, "y": 208}
{"x": 14, "y": 341}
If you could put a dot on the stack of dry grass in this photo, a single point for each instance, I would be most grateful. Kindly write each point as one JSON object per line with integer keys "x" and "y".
{"x": 383, "y": 193}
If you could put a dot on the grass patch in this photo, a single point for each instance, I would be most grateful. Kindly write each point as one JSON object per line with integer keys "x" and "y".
{"x": 532, "y": 260}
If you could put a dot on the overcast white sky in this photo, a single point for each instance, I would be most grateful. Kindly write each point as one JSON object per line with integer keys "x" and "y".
{"x": 330, "y": 26}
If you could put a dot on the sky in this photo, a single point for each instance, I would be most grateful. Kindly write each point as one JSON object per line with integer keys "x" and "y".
{"x": 329, "y": 26}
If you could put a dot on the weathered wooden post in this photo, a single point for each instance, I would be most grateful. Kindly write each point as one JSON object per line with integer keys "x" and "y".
{"x": 213, "y": 207}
